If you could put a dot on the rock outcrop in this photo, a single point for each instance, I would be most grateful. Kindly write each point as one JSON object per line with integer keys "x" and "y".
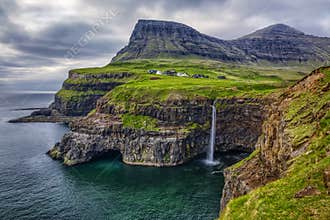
{"x": 182, "y": 132}
{"x": 276, "y": 44}
{"x": 80, "y": 92}
{"x": 96, "y": 135}
{"x": 77, "y": 97}
{"x": 296, "y": 129}
{"x": 239, "y": 123}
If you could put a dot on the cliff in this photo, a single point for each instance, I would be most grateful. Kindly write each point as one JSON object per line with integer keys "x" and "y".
{"x": 274, "y": 44}
{"x": 288, "y": 174}
{"x": 80, "y": 91}
{"x": 163, "y": 120}
{"x": 78, "y": 95}
{"x": 165, "y": 135}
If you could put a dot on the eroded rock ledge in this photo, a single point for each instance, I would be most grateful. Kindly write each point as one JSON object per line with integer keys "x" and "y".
{"x": 101, "y": 133}
{"x": 182, "y": 132}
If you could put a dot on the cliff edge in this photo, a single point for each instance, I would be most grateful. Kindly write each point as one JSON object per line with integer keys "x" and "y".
{"x": 288, "y": 176}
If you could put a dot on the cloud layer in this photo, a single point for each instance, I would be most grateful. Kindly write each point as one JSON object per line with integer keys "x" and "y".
{"x": 37, "y": 36}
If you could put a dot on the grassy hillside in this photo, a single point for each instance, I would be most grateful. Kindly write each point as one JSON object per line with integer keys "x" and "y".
{"x": 308, "y": 124}
{"x": 143, "y": 87}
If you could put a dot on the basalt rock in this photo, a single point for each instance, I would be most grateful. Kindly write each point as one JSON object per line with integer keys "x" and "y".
{"x": 88, "y": 89}
{"x": 73, "y": 107}
{"x": 84, "y": 90}
{"x": 96, "y": 135}
{"x": 239, "y": 123}
{"x": 173, "y": 143}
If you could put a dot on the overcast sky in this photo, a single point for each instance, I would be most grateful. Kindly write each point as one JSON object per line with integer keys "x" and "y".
{"x": 41, "y": 40}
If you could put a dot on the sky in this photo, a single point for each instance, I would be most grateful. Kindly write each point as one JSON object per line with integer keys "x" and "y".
{"x": 41, "y": 40}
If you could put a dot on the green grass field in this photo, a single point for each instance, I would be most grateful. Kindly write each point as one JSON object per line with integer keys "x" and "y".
{"x": 241, "y": 80}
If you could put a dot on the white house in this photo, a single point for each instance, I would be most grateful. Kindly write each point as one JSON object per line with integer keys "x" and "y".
{"x": 182, "y": 74}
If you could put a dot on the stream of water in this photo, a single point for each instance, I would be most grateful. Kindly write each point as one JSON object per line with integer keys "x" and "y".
{"x": 210, "y": 150}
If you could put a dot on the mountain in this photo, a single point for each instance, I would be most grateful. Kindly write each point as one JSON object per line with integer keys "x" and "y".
{"x": 151, "y": 38}
{"x": 282, "y": 43}
{"x": 277, "y": 43}
{"x": 274, "y": 31}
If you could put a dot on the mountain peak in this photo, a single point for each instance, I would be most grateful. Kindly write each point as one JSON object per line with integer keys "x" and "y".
{"x": 275, "y": 30}
{"x": 144, "y": 22}
{"x": 278, "y": 43}
{"x": 151, "y": 28}
{"x": 282, "y": 28}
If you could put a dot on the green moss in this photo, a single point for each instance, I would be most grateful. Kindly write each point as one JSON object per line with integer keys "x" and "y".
{"x": 191, "y": 126}
{"x": 54, "y": 153}
{"x": 301, "y": 134}
{"x": 92, "y": 112}
{"x": 68, "y": 161}
{"x": 325, "y": 122}
{"x": 140, "y": 122}
{"x": 167, "y": 157}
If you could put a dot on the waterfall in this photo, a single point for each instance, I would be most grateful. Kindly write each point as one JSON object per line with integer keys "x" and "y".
{"x": 210, "y": 150}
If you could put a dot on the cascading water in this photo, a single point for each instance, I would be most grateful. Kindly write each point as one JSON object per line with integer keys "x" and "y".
{"x": 210, "y": 150}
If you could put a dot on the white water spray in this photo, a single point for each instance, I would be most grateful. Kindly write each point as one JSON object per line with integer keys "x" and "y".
{"x": 210, "y": 150}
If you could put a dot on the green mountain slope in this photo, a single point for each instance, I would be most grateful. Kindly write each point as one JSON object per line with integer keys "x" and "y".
{"x": 288, "y": 176}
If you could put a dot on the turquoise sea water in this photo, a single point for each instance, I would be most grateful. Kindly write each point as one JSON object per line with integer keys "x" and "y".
{"x": 33, "y": 186}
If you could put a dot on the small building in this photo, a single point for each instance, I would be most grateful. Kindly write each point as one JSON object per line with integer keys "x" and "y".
{"x": 182, "y": 74}
{"x": 170, "y": 73}
{"x": 199, "y": 76}
{"x": 152, "y": 71}
{"x": 159, "y": 72}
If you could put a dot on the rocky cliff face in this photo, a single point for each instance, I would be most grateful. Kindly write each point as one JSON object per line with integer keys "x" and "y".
{"x": 239, "y": 123}
{"x": 277, "y": 44}
{"x": 293, "y": 148}
{"x": 80, "y": 92}
{"x": 99, "y": 134}
{"x": 182, "y": 132}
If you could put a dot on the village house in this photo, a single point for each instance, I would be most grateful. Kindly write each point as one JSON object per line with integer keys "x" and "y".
{"x": 182, "y": 74}
{"x": 152, "y": 71}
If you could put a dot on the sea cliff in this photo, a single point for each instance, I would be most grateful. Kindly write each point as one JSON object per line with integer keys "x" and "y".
{"x": 170, "y": 133}
{"x": 288, "y": 174}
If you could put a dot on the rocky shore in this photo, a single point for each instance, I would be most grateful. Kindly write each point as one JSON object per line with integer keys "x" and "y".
{"x": 45, "y": 115}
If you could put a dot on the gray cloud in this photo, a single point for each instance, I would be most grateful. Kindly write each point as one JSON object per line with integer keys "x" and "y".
{"x": 35, "y": 36}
